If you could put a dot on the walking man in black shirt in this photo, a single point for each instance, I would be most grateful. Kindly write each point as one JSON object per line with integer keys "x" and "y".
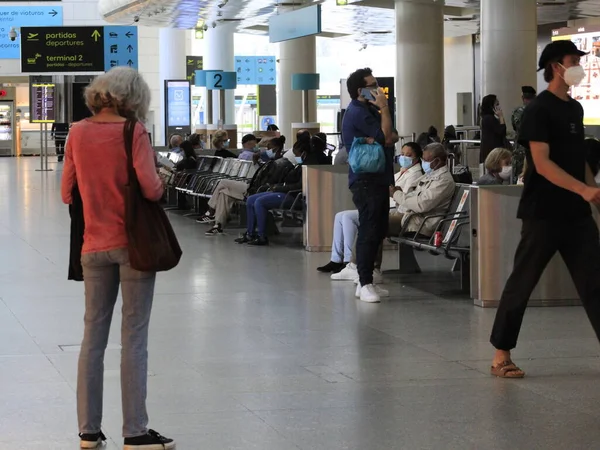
{"x": 554, "y": 206}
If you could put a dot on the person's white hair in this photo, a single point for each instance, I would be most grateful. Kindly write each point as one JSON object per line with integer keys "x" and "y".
{"x": 175, "y": 141}
{"x": 437, "y": 150}
{"x": 121, "y": 88}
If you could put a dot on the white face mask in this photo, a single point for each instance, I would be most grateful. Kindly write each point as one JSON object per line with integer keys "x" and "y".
{"x": 574, "y": 75}
{"x": 506, "y": 172}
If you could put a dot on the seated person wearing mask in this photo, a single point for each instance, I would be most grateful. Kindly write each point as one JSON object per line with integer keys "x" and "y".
{"x": 189, "y": 160}
{"x": 175, "y": 144}
{"x": 249, "y": 148}
{"x": 258, "y": 205}
{"x": 301, "y": 146}
{"x": 499, "y": 166}
{"x": 197, "y": 141}
{"x": 227, "y": 192}
{"x": 432, "y": 195}
{"x": 343, "y": 262}
{"x": 220, "y": 142}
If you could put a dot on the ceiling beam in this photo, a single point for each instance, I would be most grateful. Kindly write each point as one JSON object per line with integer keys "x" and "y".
{"x": 455, "y": 11}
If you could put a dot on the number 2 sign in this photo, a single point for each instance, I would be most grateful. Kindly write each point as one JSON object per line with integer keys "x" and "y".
{"x": 218, "y": 81}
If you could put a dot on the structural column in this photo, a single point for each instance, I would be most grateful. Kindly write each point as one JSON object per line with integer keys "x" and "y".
{"x": 172, "y": 54}
{"x": 219, "y": 55}
{"x": 508, "y": 49}
{"x": 295, "y": 56}
{"x": 419, "y": 65}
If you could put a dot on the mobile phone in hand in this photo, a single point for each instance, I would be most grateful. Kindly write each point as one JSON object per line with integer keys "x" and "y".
{"x": 367, "y": 93}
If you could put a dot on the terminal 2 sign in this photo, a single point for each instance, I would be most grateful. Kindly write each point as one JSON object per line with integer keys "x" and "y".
{"x": 77, "y": 49}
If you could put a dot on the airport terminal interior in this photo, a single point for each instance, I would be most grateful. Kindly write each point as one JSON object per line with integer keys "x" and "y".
{"x": 250, "y": 346}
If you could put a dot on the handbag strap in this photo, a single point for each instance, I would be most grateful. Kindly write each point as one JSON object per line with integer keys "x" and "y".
{"x": 128, "y": 132}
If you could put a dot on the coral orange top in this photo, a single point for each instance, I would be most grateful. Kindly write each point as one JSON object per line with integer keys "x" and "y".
{"x": 96, "y": 161}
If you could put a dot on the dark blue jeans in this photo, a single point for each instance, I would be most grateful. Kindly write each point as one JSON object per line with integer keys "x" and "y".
{"x": 257, "y": 209}
{"x": 373, "y": 204}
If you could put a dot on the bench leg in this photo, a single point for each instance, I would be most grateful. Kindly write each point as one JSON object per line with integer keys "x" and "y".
{"x": 465, "y": 273}
{"x": 407, "y": 262}
{"x": 456, "y": 267}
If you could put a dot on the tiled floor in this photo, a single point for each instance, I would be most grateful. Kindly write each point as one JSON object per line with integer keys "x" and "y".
{"x": 250, "y": 348}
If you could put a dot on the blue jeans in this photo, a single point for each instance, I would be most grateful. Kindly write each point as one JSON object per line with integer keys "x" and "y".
{"x": 257, "y": 209}
{"x": 345, "y": 229}
{"x": 103, "y": 272}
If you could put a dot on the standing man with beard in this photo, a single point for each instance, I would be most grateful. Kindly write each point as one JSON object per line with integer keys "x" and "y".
{"x": 368, "y": 116}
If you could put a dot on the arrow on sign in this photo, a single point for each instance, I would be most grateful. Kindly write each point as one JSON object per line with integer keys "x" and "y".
{"x": 53, "y": 13}
{"x": 129, "y": 48}
{"x": 96, "y": 35}
{"x": 129, "y": 34}
{"x": 130, "y": 63}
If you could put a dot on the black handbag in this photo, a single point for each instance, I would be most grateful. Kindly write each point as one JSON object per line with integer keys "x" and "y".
{"x": 152, "y": 244}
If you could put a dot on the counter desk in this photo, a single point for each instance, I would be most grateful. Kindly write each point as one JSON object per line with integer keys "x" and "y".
{"x": 495, "y": 233}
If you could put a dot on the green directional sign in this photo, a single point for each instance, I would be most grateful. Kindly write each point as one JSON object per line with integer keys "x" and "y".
{"x": 62, "y": 49}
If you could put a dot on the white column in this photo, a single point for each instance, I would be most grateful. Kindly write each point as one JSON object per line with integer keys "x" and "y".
{"x": 171, "y": 48}
{"x": 419, "y": 65}
{"x": 508, "y": 49}
{"x": 219, "y": 55}
{"x": 295, "y": 56}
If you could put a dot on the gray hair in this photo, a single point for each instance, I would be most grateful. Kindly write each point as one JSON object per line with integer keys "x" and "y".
{"x": 437, "y": 150}
{"x": 175, "y": 141}
{"x": 493, "y": 162}
{"x": 121, "y": 88}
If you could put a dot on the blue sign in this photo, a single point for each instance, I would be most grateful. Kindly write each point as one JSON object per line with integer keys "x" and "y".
{"x": 218, "y": 80}
{"x": 178, "y": 103}
{"x": 295, "y": 24}
{"x": 24, "y": 16}
{"x": 266, "y": 121}
{"x": 120, "y": 47}
{"x": 256, "y": 70}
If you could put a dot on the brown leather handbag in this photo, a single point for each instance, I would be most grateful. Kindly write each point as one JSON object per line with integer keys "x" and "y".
{"x": 153, "y": 246}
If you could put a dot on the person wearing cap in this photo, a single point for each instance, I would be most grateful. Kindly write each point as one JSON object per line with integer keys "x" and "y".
{"x": 555, "y": 205}
{"x": 528, "y": 94}
{"x": 249, "y": 146}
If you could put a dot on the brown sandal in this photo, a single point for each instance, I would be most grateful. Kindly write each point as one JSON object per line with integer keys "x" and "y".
{"x": 507, "y": 369}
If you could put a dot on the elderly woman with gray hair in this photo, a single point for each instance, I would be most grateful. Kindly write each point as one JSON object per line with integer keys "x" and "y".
{"x": 499, "y": 168}
{"x": 96, "y": 163}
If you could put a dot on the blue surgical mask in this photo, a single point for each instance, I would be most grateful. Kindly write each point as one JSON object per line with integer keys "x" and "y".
{"x": 270, "y": 154}
{"x": 405, "y": 161}
{"x": 256, "y": 148}
{"x": 426, "y": 166}
{"x": 298, "y": 159}
{"x": 226, "y": 143}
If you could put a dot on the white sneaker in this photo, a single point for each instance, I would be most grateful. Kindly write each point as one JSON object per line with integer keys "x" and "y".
{"x": 381, "y": 292}
{"x": 368, "y": 294}
{"x": 348, "y": 273}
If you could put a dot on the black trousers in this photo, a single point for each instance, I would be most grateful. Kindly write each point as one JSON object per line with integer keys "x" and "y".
{"x": 60, "y": 146}
{"x": 578, "y": 243}
{"x": 373, "y": 204}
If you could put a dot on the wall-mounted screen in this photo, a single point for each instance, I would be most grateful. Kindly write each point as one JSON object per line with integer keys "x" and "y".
{"x": 587, "y": 39}
{"x": 178, "y": 103}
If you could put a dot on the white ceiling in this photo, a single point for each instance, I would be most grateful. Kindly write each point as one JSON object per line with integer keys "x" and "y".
{"x": 374, "y": 18}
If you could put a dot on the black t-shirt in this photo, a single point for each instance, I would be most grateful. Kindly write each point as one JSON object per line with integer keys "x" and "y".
{"x": 560, "y": 124}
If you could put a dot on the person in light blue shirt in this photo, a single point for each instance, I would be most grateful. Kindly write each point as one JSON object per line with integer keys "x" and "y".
{"x": 250, "y": 147}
